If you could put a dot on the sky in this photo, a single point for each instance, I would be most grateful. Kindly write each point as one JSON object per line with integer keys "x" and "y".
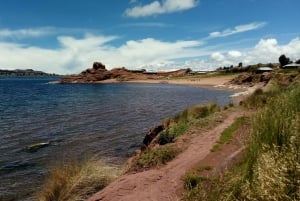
{"x": 67, "y": 36}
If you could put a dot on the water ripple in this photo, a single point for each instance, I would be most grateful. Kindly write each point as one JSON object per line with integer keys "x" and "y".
{"x": 106, "y": 121}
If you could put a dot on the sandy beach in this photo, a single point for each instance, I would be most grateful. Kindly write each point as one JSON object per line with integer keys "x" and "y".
{"x": 215, "y": 83}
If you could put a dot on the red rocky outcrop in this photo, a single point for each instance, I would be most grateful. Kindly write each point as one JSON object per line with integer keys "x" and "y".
{"x": 98, "y": 72}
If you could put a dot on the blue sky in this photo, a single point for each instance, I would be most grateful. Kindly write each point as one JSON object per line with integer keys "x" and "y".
{"x": 67, "y": 36}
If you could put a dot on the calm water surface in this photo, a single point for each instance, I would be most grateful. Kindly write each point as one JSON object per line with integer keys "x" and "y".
{"x": 104, "y": 121}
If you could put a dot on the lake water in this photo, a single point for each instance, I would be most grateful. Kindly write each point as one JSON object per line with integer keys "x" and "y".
{"x": 100, "y": 120}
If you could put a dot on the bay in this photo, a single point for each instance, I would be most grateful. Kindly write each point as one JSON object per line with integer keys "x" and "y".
{"x": 104, "y": 121}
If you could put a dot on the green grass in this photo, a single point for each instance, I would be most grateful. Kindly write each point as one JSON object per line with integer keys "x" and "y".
{"x": 191, "y": 180}
{"x": 156, "y": 157}
{"x": 226, "y": 135}
{"x": 169, "y": 135}
{"x": 216, "y": 147}
{"x": 183, "y": 121}
{"x": 270, "y": 168}
{"x": 205, "y": 167}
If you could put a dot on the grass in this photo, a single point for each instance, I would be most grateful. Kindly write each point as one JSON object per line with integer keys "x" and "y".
{"x": 182, "y": 122}
{"x": 169, "y": 135}
{"x": 216, "y": 147}
{"x": 270, "y": 169}
{"x": 75, "y": 181}
{"x": 156, "y": 157}
{"x": 191, "y": 180}
{"x": 175, "y": 127}
{"x": 226, "y": 135}
{"x": 205, "y": 167}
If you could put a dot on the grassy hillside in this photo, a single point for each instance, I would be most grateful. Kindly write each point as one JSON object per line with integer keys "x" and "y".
{"x": 270, "y": 169}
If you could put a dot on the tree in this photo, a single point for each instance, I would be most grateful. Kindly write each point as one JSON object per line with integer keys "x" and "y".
{"x": 283, "y": 60}
{"x": 298, "y": 61}
{"x": 240, "y": 64}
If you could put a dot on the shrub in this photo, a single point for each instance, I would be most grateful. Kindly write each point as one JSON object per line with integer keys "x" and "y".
{"x": 169, "y": 135}
{"x": 156, "y": 157}
{"x": 181, "y": 122}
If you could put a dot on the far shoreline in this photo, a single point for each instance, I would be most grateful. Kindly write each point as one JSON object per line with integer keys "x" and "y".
{"x": 213, "y": 83}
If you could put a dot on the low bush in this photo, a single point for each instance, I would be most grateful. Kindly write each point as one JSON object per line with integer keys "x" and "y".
{"x": 155, "y": 157}
{"x": 169, "y": 135}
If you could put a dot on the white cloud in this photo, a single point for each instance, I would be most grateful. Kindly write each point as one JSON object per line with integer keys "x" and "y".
{"x": 146, "y": 24}
{"x": 234, "y": 53}
{"x": 25, "y": 33}
{"x": 77, "y": 54}
{"x": 217, "y": 56}
{"x": 237, "y": 29}
{"x": 160, "y": 7}
{"x": 265, "y": 51}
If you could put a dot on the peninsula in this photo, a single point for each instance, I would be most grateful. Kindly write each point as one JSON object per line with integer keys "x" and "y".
{"x": 25, "y": 73}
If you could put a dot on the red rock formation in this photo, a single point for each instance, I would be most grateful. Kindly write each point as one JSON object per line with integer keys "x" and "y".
{"x": 99, "y": 73}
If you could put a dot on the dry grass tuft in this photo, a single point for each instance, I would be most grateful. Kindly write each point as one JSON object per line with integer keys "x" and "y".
{"x": 76, "y": 181}
{"x": 270, "y": 170}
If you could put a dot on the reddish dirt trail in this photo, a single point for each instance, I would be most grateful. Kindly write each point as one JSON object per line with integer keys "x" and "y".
{"x": 165, "y": 183}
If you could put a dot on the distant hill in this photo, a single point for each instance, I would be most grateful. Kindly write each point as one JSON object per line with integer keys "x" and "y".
{"x": 25, "y": 73}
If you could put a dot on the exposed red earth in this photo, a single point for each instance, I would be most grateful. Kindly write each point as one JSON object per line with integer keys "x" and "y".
{"x": 166, "y": 183}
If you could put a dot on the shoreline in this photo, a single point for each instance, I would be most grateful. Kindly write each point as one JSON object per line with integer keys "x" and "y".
{"x": 213, "y": 83}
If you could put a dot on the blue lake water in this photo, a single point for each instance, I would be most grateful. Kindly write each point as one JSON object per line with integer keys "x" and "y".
{"x": 99, "y": 120}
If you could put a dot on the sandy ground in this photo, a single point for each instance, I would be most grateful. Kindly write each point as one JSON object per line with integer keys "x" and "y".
{"x": 216, "y": 83}
{"x": 165, "y": 183}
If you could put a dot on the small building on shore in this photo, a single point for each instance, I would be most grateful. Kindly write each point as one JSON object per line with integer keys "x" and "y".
{"x": 264, "y": 69}
{"x": 292, "y": 65}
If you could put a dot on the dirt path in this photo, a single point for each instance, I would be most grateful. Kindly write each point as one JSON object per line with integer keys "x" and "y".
{"x": 165, "y": 183}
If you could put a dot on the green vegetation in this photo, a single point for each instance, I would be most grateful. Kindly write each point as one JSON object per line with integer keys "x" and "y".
{"x": 169, "y": 135}
{"x": 181, "y": 122}
{"x": 270, "y": 169}
{"x": 216, "y": 147}
{"x": 76, "y": 181}
{"x": 202, "y": 168}
{"x": 192, "y": 180}
{"x": 175, "y": 127}
{"x": 155, "y": 157}
{"x": 226, "y": 135}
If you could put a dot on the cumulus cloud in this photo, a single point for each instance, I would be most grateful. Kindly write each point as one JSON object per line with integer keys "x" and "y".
{"x": 265, "y": 51}
{"x": 217, "y": 56}
{"x": 160, "y": 7}
{"x": 234, "y": 53}
{"x": 76, "y": 54}
{"x": 237, "y": 29}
